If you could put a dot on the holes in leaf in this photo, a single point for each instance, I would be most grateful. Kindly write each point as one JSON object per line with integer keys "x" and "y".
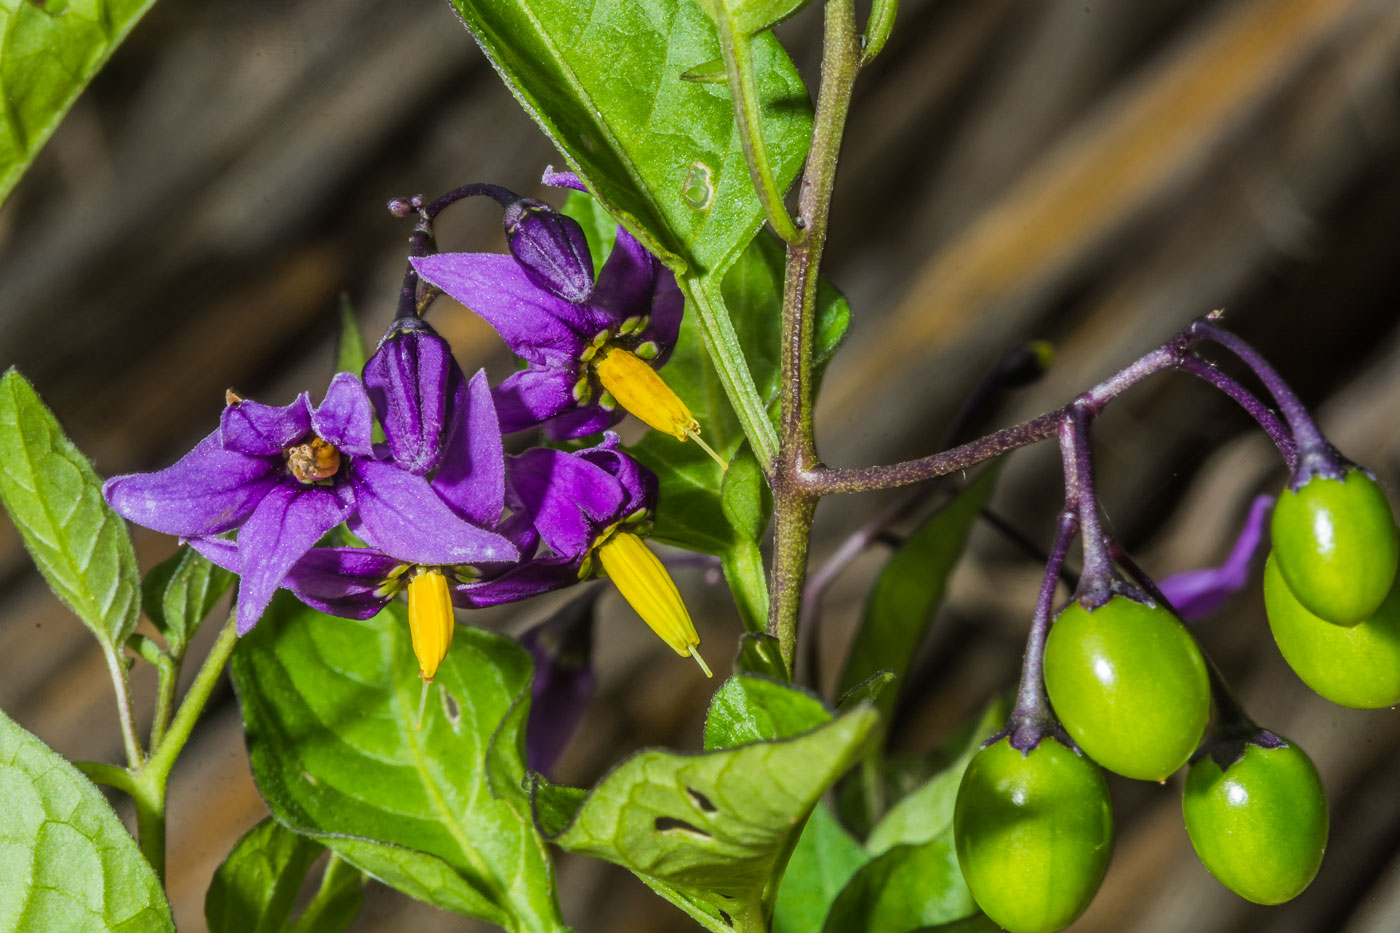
{"x": 666, "y": 824}
{"x": 728, "y": 920}
{"x": 451, "y": 710}
{"x": 701, "y": 800}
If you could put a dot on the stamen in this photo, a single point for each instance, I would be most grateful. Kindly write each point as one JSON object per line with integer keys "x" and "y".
{"x": 695, "y": 436}
{"x": 642, "y": 580}
{"x": 422, "y": 704}
{"x": 430, "y": 620}
{"x": 313, "y": 461}
{"x": 638, "y": 388}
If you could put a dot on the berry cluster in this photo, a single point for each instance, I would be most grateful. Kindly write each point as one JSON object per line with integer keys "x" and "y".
{"x": 1117, "y": 680}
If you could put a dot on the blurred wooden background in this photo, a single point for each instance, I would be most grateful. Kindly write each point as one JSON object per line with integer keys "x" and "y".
{"x": 1094, "y": 173}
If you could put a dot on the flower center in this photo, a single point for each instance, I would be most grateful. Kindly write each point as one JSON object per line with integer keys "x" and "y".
{"x": 313, "y": 461}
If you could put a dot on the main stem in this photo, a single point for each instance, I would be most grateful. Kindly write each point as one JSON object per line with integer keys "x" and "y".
{"x": 794, "y": 500}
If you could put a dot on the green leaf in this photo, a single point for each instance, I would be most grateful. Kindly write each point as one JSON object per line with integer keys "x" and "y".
{"x": 331, "y": 705}
{"x": 604, "y": 81}
{"x": 706, "y": 831}
{"x": 825, "y": 859}
{"x": 55, "y": 499}
{"x": 906, "y": 888}
{"x": 337, "y": 902}
{"x": 747, "y": 17}
{"x": 51, "y": 51}
{"x": 66, "y": 861}
{"x": 180, "y": 592}
{"x": 910, "y": 587}
{"x": 748, "y": 709}
{"x": 867, "y": 691}
{"x": 350, "y": 350}
{"x": 256, "y": 887}
{"x": 927, "y": 812}
{"x": 599, "y": 229}
{"x": 759, "y": 654}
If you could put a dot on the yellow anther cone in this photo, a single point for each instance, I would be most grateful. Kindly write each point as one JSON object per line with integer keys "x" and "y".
{"x": 639, "y": 390}
{"x": 430, "y": 620}
{"x": 642, "y": 580}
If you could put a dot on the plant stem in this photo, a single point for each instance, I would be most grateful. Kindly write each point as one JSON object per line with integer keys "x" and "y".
{"x": 743, "y": 91}
{"x": 1096, "y": 578}
{"x": 1278, "y": 432}
{"x": 1032, "y": 719}
{"x": 167, "y": 679}
{"x": 122, "y": 686}
{"x": 794, "y": 501}
{"x": 337, "y": 875}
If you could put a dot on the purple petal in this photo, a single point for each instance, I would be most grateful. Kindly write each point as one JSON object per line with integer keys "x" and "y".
{"x": 564, "y": 683}
{"x": 207, "y": 491}
{"x": 562, "y": 180}
{"x": 472, "y": 480}
{"x": 408, "y": 381}
{"x": 638, "y": 483}
{"x": 667, "y": 308}
{"x": 524, "y": 580}
{"x": 350, "y": 582}
{"x": 400, "y": 514}
{"x": 532, "y": 396}
{"x": 345, "y": 419}
{"x": 221, "y": 552}
{"x": 624, "y": 286}
{"x": 568, "y": 498}
{"x": 581, "y": 422}
{"x": 259, "y": 430}
{"x": 537, "y": 326}
{"x": 285, "y": 525}
{"x": 1198, "y": 593}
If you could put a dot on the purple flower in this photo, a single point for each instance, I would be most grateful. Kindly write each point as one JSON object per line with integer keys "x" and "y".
{"x": 1197, "y": 593}
{"x": 590, "y": 509}
{"x": 589, "y": 350}
{"x": 564, "y": 682}
{"x": 284, "y": 476}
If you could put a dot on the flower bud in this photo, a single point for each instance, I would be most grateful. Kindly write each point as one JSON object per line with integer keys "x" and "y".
{"x": 551, "y": 248}
{"x": 408, "y": 380}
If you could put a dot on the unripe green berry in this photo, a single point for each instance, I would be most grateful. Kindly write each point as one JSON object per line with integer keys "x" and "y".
{"x": 1356, "y": 666}
{"x": 1033, "y": 834}
{"x": 1129, "y": 685}
{"x": 1337, "y": 546}
{"x": 1260, "y": 825}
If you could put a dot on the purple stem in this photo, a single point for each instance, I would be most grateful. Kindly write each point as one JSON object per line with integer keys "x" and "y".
{"x": 1278, "y": 432}
{"x": 1031, "y": 718}
{"x": 1097, "y": 578}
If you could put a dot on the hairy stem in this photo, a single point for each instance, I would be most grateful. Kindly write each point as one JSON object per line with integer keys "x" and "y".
{"x": 1032, "y": 719}
{"x": 122, "y": 687}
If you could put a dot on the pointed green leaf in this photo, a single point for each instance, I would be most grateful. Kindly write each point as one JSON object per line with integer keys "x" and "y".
{"x": 910, "y": 587}
{"x": 747, "y": 17}
{"x": 55, "y": 499}
{"x": 337, "y": 902}
{"x": 906, "y": 888}
{"x": 927, "y": 812}
{"x": 331, "y": 705}
{"x": 180, "y": 592}
{"x": 256, "y": 887}
{"x": 748, "y": 709}
{"x": 51, "y": 51}
{"x": 599, "y": 229}
{"x": 867, "y": 691}
{"x": 604, "y": 81}
{"x": 826, "y": 858}
{"x": 707, "y": 831}
{"x": 350, "y": 350}
{"x": 66, "y": 861}
{"x": 759, "y": 654}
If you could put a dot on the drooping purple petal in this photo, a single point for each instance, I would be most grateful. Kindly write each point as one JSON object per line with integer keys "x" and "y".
{"x": 564, "y": 682}
{"x": 524, "y": 580}
{"x": 551, "y": 248}
{"x": 568, "y": 498}
{"x": 290, "y": 519}
{"x": 221, "y": 552}
{"x": 562, "y": 180}
{"x": 537, "y": 326}
{"x": 1197, "y": 593}
{"x": 344, "y": 419}
{"x": 639, "y": 484}
{"x": 259, "y": 430}
{"x": 408, "y": 379}
{"x": 667, "y": 308}
{"x": 624, "y": 286}
{"x": 581, "y": 422}
{"x": 472, "y": 480}
{"x": 532, "y": 396}
{"x": 400, "y": 514}
{"x": 207, "y": 491}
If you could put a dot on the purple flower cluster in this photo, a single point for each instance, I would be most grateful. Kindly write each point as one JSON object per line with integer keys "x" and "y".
{"x": 438, "y": 506}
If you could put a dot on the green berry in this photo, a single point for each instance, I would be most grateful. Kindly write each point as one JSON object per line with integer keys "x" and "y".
{"x": 1129, "y": 685}
{"x": 1356, "y": 666}
{"x": 1259, "y": 826}
{"x": 1033, "y": 834}
{"x": 1337, "y": 546}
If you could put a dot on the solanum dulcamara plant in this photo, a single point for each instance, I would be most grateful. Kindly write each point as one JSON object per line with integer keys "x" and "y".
{"x": 358, "y": 526}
